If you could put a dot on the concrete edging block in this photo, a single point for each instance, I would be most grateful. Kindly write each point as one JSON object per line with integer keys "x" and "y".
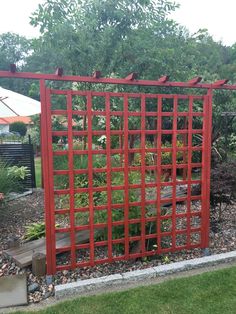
{"x": 140, "y": 274}
{"x": 82, "y": 286}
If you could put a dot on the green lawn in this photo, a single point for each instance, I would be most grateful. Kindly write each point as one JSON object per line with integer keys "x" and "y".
{"x": 37, "y": 162}
{"x": 213, "y": 292}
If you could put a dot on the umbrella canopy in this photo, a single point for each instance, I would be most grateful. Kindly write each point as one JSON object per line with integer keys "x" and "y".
{"x": 15, "y": 104}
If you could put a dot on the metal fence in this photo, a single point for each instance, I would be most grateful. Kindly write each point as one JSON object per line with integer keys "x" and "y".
{"x": 20, "y": 155}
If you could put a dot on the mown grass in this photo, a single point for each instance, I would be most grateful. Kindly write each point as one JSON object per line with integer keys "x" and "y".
{"x": 37, "y": 162}
{"x": 213, "y": 292}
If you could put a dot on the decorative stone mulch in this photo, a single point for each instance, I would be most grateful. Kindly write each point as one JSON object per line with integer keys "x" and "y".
{"x": 17, "y": 214}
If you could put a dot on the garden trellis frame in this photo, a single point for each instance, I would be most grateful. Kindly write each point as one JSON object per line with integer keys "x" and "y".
{"x": 192, "y": 236}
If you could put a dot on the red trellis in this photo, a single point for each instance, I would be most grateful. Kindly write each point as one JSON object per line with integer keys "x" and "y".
{"x": 161, "y": 225}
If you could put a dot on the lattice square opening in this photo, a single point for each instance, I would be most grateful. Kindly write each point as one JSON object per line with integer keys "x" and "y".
{"x": 79, "y": 102}
{"x": 61, "y": 182}
{"x": 58, "y": 102}
{"x": 98, "y": 103}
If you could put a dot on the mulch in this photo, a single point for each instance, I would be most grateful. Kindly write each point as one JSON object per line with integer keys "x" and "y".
{"x": 17, "y": 214}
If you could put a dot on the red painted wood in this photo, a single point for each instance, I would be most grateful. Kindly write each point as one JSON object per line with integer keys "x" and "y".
{"x": 71, "y": 179}
{"x": 109, "y": 182}
{"x": 144, "y": 237}
{"x": 126, "y": 176}
{"x": 90, "y": 178}
{"x": 73, "y": 78}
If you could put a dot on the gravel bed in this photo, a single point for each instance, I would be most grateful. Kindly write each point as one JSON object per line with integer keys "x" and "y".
{"x": 17, "y": 214}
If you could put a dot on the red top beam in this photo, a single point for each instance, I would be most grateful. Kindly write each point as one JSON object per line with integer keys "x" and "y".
{"x": 89, "y": 79}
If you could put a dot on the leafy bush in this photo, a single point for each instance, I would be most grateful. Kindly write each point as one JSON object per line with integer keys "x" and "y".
{"x": 18, "y": 172}
{"x": 18, "y": 127}
{"x": 35, "y": 231}
{"x": 7, "y": 182}
{"x": 223, "y": 186}
{"x": 10, "y": 177}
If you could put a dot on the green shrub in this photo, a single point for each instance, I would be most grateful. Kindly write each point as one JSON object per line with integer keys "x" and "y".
{"x": 18, "y": 127}
{"x": 10, "y": 178}
{"x": 223, "y": 187}
{"x": 35, "y": 231}
{"x": 7, "y": 182}
{"x": 18, "y": 172}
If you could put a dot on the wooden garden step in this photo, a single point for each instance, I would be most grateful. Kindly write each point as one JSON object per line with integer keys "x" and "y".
{"x": 22, "y": 255}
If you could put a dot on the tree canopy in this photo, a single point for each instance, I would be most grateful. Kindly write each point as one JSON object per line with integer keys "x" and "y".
{"x": 118, "y": 37}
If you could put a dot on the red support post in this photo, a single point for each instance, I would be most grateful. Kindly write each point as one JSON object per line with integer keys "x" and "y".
{"x": 71, "y": 179}
{"x": 108, "y": 176}
{"x": 126, "y": 176}
{"x": 47, "y": 190}
{"x": 90, "y": 177}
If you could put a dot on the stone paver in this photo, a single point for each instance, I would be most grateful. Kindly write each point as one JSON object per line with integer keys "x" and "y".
{"x": 13, "y": 290}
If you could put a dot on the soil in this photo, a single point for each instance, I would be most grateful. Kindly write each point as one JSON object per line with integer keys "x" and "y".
{"x": 17, "y": 214}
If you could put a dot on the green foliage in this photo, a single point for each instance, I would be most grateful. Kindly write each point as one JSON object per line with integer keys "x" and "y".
{"x": 10, "y": 177}
{"x": 10, "y": 138}
{"x": 7, "y": 182}
{"x": 18, "y": 127}
{"x": 35, "y": 231}
{"x": 14, "y": 49}
{"x": 38, "y": 172}
{"x": 34, "y": 132}
{"x": 99, "y": 198}
{"x": 18, "y": 172}
{"x": 118, "y": 37}
{"x": 101, "y": 33}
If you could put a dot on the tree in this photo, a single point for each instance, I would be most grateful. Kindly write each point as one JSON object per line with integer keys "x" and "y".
{"x": 119, "y": 37}
{"x": 18, "y": 127}
{"x": 14, "y": 49}
{"x": 96, "y": 34}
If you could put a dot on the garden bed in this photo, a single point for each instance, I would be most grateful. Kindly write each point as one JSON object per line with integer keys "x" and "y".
{"x": 21, "y": 212}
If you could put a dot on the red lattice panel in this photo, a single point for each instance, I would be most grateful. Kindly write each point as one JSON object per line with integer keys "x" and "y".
{"x": 122, "y": 175}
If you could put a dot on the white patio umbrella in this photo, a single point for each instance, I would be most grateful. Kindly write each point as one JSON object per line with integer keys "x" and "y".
{"x": 14, "y": 104}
